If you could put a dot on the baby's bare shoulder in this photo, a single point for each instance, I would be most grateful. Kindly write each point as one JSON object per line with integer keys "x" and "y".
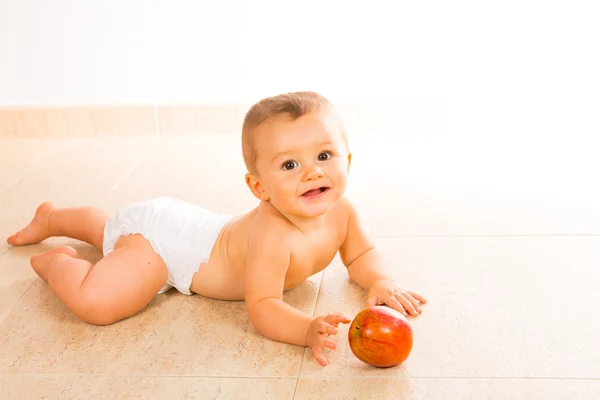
{"x": 269, "y": 229}
{"x": 269, "y": 253}
{"x": 345, "y": 205}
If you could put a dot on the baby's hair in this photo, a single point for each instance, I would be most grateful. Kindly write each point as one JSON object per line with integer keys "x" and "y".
{"x": 293, "y": 105}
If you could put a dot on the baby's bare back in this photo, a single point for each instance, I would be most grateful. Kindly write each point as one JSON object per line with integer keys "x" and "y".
{"x": 222, "y": 277}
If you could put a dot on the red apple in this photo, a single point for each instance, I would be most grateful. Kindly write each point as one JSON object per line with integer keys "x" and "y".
{"x": 380, "y": 336}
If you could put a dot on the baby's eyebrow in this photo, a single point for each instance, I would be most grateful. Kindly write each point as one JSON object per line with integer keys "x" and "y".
{"x": 282, "y": 153}
{"x": 277, "y": 155}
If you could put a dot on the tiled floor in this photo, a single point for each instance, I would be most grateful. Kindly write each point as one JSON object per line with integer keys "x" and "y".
{"x": 502, "y": 236}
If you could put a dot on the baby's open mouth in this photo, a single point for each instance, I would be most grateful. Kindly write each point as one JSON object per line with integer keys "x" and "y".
{"x": 315, "y": 192}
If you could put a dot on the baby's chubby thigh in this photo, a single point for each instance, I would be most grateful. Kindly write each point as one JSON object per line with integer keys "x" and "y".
{"x": 123, "y": 282}
{"x": 142, "y": 257}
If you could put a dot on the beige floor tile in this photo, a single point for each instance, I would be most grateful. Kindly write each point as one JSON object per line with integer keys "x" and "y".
{"x": 26, "y": 149}
{"x": 208, "y": 171}
{"x": 498, "y": 307}
{"x": 174, "y": 335}
{"x": 32, "y": 387}
{"x": 80, "y": 172}
{"x": 428, "y": 184}
{"x": 20, "y": 157}
{"x": 446, "y": 389}
{"x": 17, "y": 277}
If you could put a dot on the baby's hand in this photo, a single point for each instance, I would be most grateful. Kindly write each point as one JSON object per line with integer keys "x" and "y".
{"x": 319, "y": 331}
{"x": 388, "y": 292}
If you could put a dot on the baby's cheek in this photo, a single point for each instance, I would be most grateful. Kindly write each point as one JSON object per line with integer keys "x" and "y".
{"x": 342, "y": 172}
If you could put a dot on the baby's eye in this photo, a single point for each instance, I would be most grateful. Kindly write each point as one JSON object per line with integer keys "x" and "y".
{"x": 288, "y": 165}
{"x": 324, "y": 156}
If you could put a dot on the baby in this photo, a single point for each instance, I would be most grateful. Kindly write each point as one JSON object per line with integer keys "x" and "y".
{"x": 297, "y": 156}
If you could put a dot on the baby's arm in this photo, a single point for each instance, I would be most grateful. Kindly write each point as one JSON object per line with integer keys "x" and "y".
{"x": 267, "y": 264}
{"x": 365, "y": 267}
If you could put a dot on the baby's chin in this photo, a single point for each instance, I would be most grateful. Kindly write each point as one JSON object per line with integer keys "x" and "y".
{"x": 308, "y": 208}
{"x": 314, "y": 210}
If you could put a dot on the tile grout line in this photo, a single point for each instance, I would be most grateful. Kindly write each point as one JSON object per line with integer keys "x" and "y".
{"x": 304, "y": 352}
{"x": 130, "y": 170}
{"x": 17, "y": 302}
{"x": 344, "y": 377}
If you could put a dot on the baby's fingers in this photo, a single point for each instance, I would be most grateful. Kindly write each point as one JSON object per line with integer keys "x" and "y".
{"x": 413, "y": 301}
{"x": 323, "y": 342}
{"x": 408, "y": 306}
{"x": 418, "y": 297}
{"x": 395, "y": 304}
{"x": 319, "y": 356}
{"x": 327, "y": 343}
{"x": 324, "y": 327}
{"x": 335, "y": 319}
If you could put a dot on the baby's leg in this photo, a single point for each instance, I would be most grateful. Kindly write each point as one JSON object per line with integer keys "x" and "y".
{"x": 118, "y": 286}
{"x": 81, "y": 223}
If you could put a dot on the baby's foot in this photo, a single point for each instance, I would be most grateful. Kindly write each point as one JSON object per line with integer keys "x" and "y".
{"x": 40, "y": 262}
{"x": 37, "y": 230}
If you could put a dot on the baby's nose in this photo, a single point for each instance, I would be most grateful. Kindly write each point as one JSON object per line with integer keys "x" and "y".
{"x": 315, "y": 173}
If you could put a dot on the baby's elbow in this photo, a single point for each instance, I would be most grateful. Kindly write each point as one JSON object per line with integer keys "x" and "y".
{"x": 258, "y": 315}
{"x": 252, "y": 306}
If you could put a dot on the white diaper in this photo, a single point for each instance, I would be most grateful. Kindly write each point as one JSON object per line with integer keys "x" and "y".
{"x": 183, "y": 234}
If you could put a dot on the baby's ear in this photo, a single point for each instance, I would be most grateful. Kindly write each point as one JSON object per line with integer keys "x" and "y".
{"x": 256, "y": 187}
{"x": 349, "y": 161}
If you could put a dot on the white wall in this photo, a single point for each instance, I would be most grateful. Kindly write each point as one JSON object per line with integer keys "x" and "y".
{"x": 472, "y": 55}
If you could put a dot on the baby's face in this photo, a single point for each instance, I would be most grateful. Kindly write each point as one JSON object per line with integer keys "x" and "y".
{"x": 302, "y": 164}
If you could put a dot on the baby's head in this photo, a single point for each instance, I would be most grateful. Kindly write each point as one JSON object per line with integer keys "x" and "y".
{"x": 296, "y": 152}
